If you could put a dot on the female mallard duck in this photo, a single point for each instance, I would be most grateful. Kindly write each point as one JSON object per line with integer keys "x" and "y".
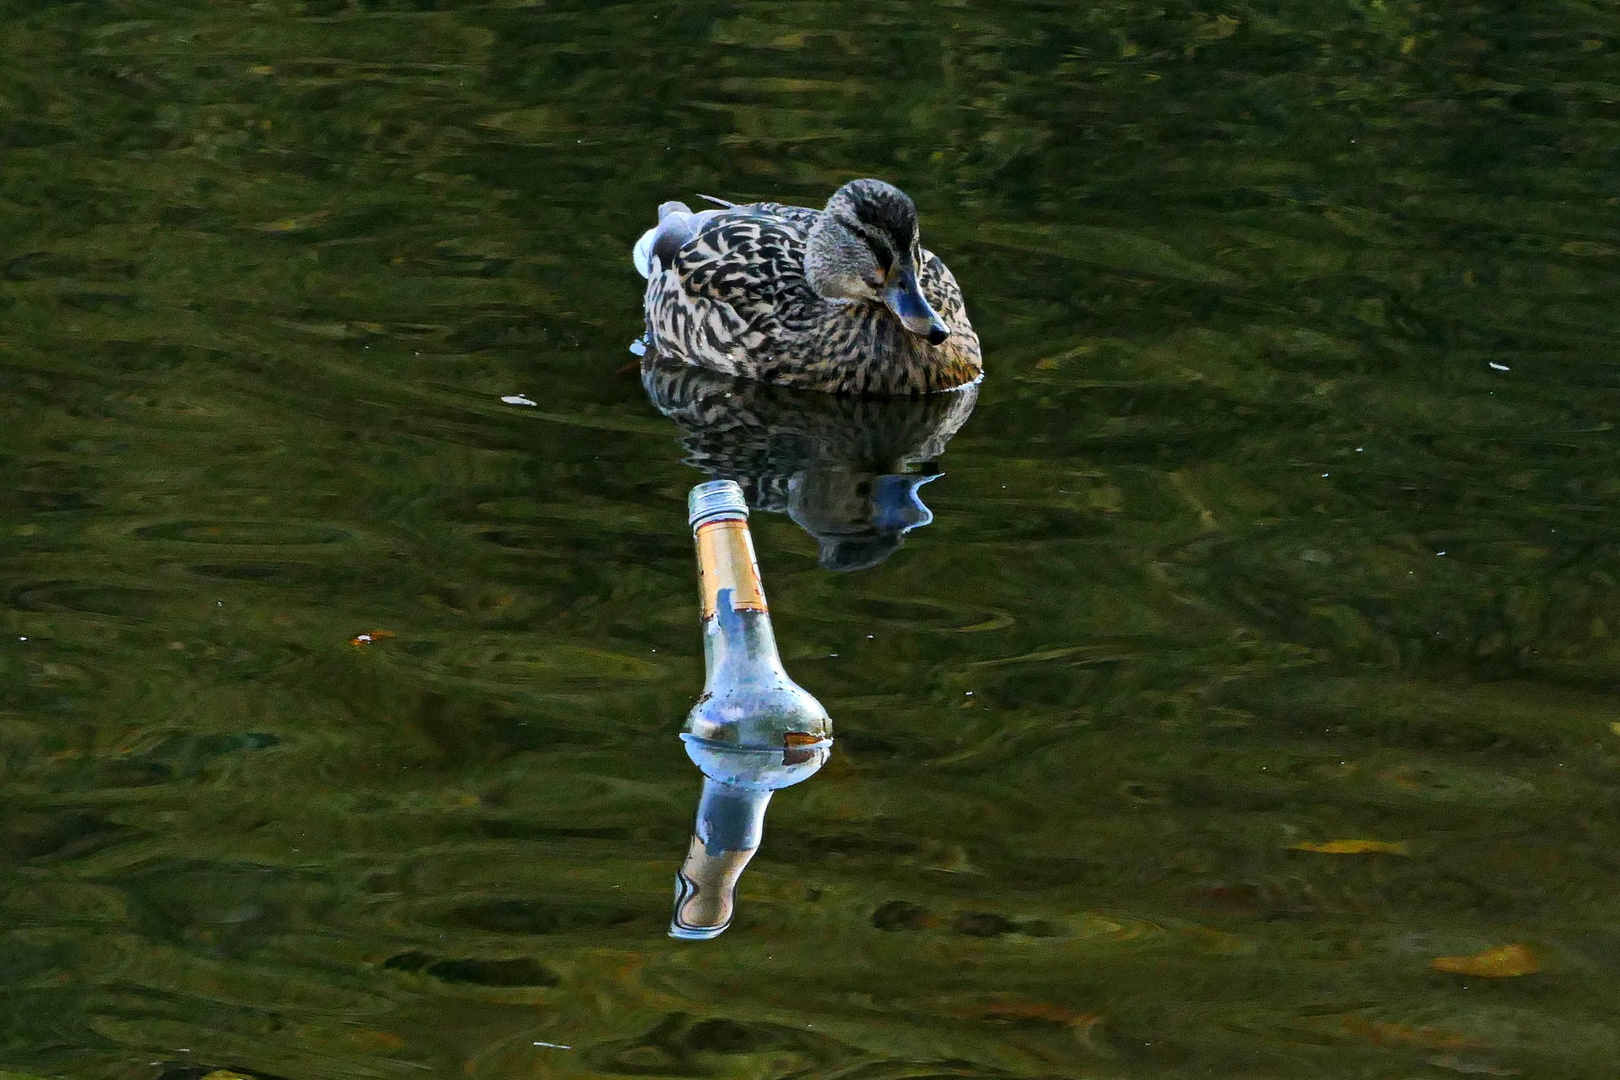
{"x": 844, "y": 300}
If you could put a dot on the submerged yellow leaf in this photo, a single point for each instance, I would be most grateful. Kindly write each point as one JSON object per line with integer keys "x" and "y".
{"x": 1499, "y": 962}
{"x": 298, "y": 223}
{"x": 1589, "y": 248}
{"x": 1383, "y": 1033}
{"x": 1354, "y": 847}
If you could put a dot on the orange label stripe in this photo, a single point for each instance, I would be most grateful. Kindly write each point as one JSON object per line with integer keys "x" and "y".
{"x": 725, "y": 553}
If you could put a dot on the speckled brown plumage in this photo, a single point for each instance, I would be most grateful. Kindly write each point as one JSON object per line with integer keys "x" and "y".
{"x": 734, "y": 296}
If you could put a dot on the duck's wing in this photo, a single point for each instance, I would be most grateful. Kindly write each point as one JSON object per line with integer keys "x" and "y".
{"x": 733, "y": 291}
{"x": 749, "y": 259}
{"x": 797, "y": 217}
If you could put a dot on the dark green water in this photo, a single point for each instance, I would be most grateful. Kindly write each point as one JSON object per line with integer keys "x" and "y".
{"x": 1287, "y": 515}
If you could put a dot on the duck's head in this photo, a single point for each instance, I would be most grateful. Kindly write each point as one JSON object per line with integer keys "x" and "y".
{"x": 865, "y": 247}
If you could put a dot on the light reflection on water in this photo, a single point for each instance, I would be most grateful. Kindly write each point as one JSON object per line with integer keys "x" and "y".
{"x": 1247, "y": 282}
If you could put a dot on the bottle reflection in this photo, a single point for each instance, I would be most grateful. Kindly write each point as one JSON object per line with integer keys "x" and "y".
{"x": 730, "y": 824}
{"x": 848, "y": 470}
{"x": 753, "y": 731}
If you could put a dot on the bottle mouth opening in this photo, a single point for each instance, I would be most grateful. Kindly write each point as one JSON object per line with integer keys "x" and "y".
{"x": 715, "y": 500}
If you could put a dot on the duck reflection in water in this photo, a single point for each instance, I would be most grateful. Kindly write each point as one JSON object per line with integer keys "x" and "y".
{"x": 848, "y": 470}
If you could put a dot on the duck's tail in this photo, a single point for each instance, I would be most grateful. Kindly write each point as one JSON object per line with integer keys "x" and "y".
{"x": 676, "y": 225}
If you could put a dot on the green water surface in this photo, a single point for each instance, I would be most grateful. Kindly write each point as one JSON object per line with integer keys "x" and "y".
{"x": 1287, "y": 515}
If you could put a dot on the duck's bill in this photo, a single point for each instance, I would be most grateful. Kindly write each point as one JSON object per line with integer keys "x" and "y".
{"x": 905, "y": 299}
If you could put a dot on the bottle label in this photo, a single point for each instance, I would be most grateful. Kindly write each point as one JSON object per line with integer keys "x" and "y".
{"x": 725, "y": 554}
{"x": 706, "y": 889}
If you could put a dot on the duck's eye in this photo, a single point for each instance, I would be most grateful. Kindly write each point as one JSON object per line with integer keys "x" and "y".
{"x": 881, "y": 255}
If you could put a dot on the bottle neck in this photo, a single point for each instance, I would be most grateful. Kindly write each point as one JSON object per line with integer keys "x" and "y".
{"x": 738, "y": 641}
{"x": 730, "y": 818}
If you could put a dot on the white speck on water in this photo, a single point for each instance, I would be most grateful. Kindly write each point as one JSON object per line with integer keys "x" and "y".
{"x": 22, "y": 639}
{"x": 1360, "y": 449}
{"x": 1498, "y": 367}
{"x": 869, "y": 636}
{"x": 1439, "y": 553}
{"x": 969, "y": 693}
{"x": 1326, "y": 475}
{"x": 832, "y": 656}
{"x": 516, "y": 399}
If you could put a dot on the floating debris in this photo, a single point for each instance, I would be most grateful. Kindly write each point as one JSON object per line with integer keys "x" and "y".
{"x": 369, "y": 636}
{"x": 1499, "y": 962}
{"x": 1353, "y": 847}
{"x": 753, "y": 731}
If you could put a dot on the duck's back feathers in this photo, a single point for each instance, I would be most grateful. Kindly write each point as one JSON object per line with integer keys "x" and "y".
{"x": 733, "y": 289}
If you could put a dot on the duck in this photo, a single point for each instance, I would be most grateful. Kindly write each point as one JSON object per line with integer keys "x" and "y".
{"x": 843, "y": 300}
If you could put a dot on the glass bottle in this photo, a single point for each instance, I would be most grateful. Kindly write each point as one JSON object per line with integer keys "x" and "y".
{"x": 753, "y": 731}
